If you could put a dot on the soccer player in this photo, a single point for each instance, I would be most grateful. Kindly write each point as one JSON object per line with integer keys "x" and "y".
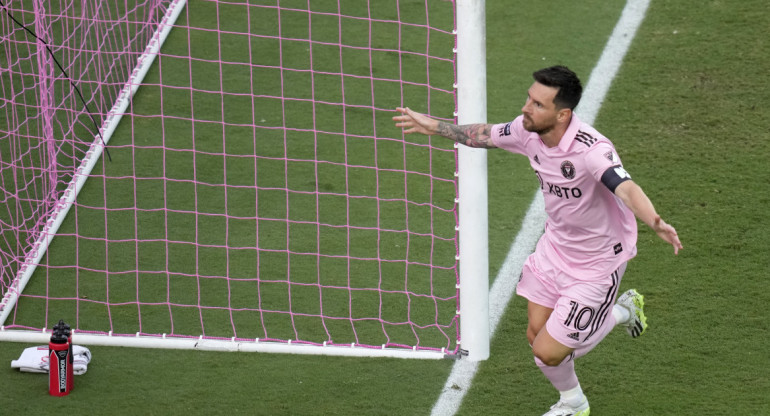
{"x": 572, "y": 278}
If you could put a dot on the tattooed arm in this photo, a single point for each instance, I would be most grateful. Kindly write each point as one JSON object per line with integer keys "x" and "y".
{"x": 472, "y": 135}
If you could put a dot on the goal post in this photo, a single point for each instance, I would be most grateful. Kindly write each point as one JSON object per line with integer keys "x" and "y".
{"x": 472, "y": 178}
{"x": 259, "y": 197}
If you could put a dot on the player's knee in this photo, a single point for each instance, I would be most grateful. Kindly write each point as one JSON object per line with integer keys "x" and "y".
{"x": 531, "y": 334}
{"x": 549, "y": 359}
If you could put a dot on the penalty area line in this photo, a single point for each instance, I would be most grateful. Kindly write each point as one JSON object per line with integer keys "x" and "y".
{"x": 459, "y": 381}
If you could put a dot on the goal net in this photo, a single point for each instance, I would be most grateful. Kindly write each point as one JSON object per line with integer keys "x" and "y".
{"x": 227, "y": 175}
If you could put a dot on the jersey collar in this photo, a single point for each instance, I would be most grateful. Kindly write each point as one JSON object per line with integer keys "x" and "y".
{"x": 570, "y": 133}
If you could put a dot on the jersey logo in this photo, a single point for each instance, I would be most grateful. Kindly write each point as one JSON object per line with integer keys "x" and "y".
{"x": 567, "y": 169}
{"x": 505, "y": 130}
{"x": 585, "y": 138}
{"x": 618, "y": 248}
{"x": 536, "y": 159}
{"x": 611, "y": 156}
{"x": 559, "y": 191}
{"x": 575, "y": 336}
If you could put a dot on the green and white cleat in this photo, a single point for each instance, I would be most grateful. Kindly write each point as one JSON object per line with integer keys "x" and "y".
{"x": 634, "y": 302}
{"x": 563, "y": 409}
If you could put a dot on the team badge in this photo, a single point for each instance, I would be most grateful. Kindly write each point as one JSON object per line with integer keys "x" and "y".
{"x": 610, "y": 156}
{"x": 537, "y": 159}
{"x": 568, "y": 169}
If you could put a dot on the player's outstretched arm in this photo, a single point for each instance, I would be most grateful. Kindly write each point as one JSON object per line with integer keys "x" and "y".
{"x": 634, "y": 197}
{"x": 472, "y": 135}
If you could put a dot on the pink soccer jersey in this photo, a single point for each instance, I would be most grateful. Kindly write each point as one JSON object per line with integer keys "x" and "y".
{"x": 589, "y": 231}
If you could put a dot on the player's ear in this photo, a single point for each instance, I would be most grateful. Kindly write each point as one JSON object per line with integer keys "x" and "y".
{"x": 564, "y": 115}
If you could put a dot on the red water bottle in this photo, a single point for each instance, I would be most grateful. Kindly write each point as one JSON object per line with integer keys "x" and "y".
{"x": 71, "y": 366}
{"x": 58, "y": 363}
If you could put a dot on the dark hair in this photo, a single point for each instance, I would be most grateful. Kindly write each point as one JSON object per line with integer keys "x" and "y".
{"x": 561, "y": 77}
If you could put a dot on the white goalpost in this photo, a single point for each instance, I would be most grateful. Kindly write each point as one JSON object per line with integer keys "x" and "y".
{"x": 259, "y": 197}
{"x": 472, "y": 168}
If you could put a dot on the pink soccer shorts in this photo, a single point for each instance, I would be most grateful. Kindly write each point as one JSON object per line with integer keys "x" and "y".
{"x": 580, "y": 307}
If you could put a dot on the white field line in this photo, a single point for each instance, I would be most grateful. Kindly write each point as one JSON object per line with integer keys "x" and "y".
{"x": 503, "y": 288}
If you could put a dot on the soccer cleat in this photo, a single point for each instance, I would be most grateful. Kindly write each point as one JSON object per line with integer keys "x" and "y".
{"x": 563, "y": 409}
{"x": 634, "y": 302}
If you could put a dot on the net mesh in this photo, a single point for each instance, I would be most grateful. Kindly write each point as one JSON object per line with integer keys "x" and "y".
{"x": 257, "y": 187}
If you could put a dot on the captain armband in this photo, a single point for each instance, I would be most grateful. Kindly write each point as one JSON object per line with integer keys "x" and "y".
{"x": 614, "y": 176}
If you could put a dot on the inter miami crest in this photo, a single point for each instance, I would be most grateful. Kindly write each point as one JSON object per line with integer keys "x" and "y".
{"x": 568, "y": 169}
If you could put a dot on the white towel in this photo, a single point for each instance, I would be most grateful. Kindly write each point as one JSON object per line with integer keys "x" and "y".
{"x": 35, "y": 359}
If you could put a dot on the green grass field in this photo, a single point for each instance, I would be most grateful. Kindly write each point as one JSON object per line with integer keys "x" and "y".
{"x": 686, "y": 116}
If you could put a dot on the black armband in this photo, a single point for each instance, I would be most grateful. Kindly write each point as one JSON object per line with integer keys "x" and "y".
{"x": 614, "y": 176}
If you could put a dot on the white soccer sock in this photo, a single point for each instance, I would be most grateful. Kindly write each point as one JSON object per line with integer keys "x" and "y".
{"x": 574, "y": 396}
{"x": 621, "y": 314}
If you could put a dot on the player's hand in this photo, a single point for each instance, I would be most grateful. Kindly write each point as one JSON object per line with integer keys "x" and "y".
{"x": 414, "y": 122}
{"x": 667, "y": 233}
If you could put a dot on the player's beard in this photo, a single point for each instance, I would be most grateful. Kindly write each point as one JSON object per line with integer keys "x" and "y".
{"x": 530, "y": 126}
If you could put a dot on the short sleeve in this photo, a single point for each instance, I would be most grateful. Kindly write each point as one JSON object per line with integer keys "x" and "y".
{"x": 601, "y": 157}
{"x": 510, "y": 136}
